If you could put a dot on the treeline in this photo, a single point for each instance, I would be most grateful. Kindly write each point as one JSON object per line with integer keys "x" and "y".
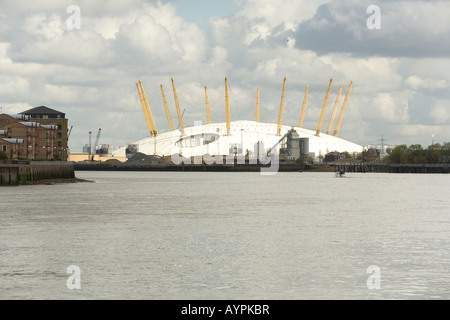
{"x": 435, "y": 153}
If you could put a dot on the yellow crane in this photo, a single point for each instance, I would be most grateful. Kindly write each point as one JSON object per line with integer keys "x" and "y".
{"x": 324, "y": 107}
{"x": 144, "y": 107}
{"x": 333, "y": 114}
{"x": 302, "y": 116}
{"x": 257, "y": 105}
{"x": 180, "y": 116}
{"x": 280, "y": 114}
{"x": 169, "y": 119}
{"x": 227, "y": 107}
{"x": 341, "y": 114}
{"x": 208, "y": 111}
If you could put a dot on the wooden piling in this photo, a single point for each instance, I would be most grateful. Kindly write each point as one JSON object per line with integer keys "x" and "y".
{"x": 15, "y": 174}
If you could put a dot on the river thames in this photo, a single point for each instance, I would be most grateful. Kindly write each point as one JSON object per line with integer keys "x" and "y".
{"x": 186, "y": 235}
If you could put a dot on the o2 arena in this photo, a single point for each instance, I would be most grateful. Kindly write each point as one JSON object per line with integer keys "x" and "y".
{"x": 241, "y": 138}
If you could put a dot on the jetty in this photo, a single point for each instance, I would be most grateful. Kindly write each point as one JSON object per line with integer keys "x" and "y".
{"x": 390, "y": 168}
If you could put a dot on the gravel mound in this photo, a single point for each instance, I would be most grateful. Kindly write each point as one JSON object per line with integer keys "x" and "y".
{"x": 141, "y": 158}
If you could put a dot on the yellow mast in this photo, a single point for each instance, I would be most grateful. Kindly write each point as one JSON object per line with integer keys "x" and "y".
{"x": 147, "y": 119}
{"x": 208, "y": 111}
{"x": 324, "y": 107}
{"x": 169, "y": 119}
{"x": 341, "y": 114}
{"x": 280, "y": 114}
{"x": 180, "y": 117}
{"x": 333, "y": 114}
{"x": 227, "y": 107}
{"x": 257, "y": 105}
{"x": 149, "y": 111}
{"x": 302, "y": 116}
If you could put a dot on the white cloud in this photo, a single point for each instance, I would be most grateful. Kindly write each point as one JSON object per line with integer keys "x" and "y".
{"x": 90, "y": 73}
{"x": 408, "y": 28}
{"x": 76, "y": 48}
{"x": 440, "y": 112}
{"x": 391, "y": 109}
{"x": 289, "y": 13}
{"x": 43, "y": 26}
{"x": 416, "y": 83}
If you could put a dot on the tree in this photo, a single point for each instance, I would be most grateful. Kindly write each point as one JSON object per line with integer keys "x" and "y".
{"x": 434, "y": 153}
{"x": 446, "y": 152}
{"x": 347, "y": 155}
{"x": 398, "y": 155}
{"x": 416, "y": 154}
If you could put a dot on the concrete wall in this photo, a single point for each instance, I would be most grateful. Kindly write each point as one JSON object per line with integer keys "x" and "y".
{"x": 23, "y": 173}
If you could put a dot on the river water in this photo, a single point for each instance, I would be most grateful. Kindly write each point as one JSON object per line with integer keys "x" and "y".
{"x": 189, "y": 235}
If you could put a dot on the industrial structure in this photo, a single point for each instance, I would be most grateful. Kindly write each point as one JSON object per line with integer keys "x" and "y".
{"x": 95, "y": 152}
{"x": 251, "y": 139}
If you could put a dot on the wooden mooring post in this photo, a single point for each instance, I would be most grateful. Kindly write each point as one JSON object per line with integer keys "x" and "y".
{"x": 9, "y": 175}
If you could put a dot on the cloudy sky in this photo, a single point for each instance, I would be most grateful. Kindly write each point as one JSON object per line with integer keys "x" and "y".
{"x": 400, "y": 72}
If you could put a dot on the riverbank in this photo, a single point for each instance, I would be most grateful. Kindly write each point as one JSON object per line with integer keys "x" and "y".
{"x": 34, "y": 172}
{"x": 55, "y": 181}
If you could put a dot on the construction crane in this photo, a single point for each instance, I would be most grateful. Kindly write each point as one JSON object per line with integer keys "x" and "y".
{"x": 96, "y": 143}
{"x": 68, "y": 136}
{"x": 68, "y": 133}
{"x": 90, "y": 144}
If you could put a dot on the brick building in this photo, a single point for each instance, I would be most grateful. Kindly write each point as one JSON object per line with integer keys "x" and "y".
{"x": 36, "y": 134}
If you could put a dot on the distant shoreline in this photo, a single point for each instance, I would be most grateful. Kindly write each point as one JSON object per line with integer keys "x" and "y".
{"x": 350, "y": 167}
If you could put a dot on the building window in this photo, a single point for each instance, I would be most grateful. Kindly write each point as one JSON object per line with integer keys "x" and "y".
{"x": 44, "y": 116}
{"x": 59, "y": 135}
{"x": 4, "y": 148}
{"x": 59, "y": 127}
{"x": 59, "y": 144}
